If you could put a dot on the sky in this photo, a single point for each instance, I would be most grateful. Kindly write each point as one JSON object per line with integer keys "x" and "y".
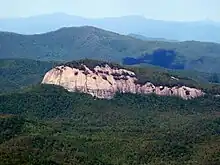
{"x": 175, "y": 10}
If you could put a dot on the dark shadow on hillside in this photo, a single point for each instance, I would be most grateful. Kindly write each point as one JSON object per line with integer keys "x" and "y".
{"x": 160, "y": 57}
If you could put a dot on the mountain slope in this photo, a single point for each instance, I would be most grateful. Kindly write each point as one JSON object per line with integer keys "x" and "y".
{"x": 141, "y": 37}
{"x": 18, "y": 73}
{"x": 46, "y": 124}
{"x": 69, "y": 44}
{"x": 200, "y": 30}
{"x": 49, "y": 125}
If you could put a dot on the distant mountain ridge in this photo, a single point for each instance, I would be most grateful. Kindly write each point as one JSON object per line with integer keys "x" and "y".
{"x": 201, "y": 30}
{"x": 76, "y": 43}
{"x": 141, "y": 37}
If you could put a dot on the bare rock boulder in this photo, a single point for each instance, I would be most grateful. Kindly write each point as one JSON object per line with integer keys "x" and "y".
{"x": 105, "y": 81}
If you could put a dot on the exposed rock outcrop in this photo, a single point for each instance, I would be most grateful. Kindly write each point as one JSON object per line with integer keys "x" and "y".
{"x": 104, "y": 82}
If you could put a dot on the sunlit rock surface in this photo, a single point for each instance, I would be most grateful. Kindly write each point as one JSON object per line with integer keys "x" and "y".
{"x": 105, "y": 81}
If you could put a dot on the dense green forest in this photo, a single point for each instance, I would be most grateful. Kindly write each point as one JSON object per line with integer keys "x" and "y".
{"x": 18, "y": 73}
{"x": 89, "y": 42}
{"x": 45, "y": 125}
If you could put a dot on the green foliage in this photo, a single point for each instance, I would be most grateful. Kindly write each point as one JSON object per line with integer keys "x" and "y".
{"x": 91, "y": 64}
{"x": 69, "y": 44}
{"x": 10, "y": 127}
{"x": 214, "y": 78}
{"x": 45, "y": 124}
{"x": 18, "y": 73}
{"x": 58, "y": 127}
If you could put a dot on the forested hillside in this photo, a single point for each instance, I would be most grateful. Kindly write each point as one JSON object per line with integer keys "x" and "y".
{"x": 48, "y": 125}
{"x": 75, "y": 43}
{"x": 45, "y": 124}
{"x": 18, "y": 73}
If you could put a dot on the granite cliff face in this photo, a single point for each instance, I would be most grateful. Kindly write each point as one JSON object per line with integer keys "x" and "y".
{"x": 104, "y": 81}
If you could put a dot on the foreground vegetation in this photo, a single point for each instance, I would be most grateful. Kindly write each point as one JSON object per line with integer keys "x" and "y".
{"x": 48, "y": 125}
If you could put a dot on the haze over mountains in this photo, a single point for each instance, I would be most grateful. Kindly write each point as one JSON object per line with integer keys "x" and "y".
{"x": 205, "y": 30}
{"x": 144, "y": 38}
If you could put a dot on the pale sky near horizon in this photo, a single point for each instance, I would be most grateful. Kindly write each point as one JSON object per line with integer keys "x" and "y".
{"x": 178, "y": 10}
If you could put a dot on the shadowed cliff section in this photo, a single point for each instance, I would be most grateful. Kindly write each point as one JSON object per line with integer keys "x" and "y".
{"x": 160, "y": 57}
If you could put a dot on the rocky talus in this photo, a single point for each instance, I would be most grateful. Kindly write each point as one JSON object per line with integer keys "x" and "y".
{"x": 104, "y": 82}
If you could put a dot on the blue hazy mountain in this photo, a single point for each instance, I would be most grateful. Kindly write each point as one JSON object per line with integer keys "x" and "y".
{"x": 205, "y": 30}
{"x": 144, "y": 38}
